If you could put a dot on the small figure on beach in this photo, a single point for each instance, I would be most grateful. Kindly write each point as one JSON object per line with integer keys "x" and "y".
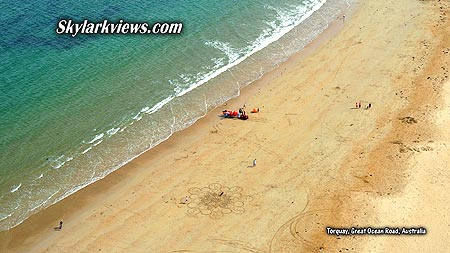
{"x": 60, "y": 225}
{"x": 254, "y": 162}
{"x": 356, "y": 104}
{"x": 369, "y": 106}
{"x": 343, "y": 18}
{"x": 184, "y": 200}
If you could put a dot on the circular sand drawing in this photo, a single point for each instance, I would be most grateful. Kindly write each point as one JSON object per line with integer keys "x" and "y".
{"x": 216, "y": 201}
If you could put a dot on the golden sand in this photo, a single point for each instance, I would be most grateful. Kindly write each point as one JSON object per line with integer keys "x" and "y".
{"x": 320, "y": 161}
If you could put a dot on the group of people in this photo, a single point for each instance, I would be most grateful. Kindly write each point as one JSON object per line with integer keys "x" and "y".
{"x": 241, "y": 114}
{"x": 358, "y": 105}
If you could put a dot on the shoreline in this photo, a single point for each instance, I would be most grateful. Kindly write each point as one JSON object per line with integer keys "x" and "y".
{"x": 62, "y": 192}
{"x": 245, "y": 93}
{"x": 336, "y": 171}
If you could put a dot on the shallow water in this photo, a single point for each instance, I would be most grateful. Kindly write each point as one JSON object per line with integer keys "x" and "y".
{"x": 73, "y": 110}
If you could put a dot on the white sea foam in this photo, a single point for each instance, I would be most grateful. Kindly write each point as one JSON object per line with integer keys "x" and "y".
{"x": 218, "y": 62}
{"x": 5, "y": 216}
{"x": 58, "y": 164}
{"x": 137, "y": 117}
{"x": 185, "y": 78}
{"x": 159, "y": 105}
{"x": 285, "y": 24}
{"x": 234, "y": 57}
{"x": 265, "y": 39}
{"x": 44, "y": 202}
{"x": 112, "y": 131}
{"x": 148, "y": 110}
{"x": 60, "y": 161}
{"x": 231, "y": 53}
{"x": 86, "y": 150}
{"x": 15, "y": 188}
{"x": 98, "y": 142}
{"x": 287, "y": 21}
{"x": 97, "y": 137}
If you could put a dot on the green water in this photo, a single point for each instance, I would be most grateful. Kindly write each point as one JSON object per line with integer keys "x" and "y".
{"x": 74, "y": 109}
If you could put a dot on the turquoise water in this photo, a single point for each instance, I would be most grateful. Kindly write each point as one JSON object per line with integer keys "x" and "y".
{"x": 73, "y": 110}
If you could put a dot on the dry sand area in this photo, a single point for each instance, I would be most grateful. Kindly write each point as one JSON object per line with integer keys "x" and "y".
{"x": 320, "y": 162}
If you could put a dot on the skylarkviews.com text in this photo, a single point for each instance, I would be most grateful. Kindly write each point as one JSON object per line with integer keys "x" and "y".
{"x": 67, "y": 26}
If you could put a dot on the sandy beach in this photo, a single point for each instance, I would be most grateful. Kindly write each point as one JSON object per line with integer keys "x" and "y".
{"x": 321, "y": 162}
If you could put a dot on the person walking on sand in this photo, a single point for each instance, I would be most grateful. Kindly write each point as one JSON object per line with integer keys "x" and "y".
{"x": 254, "y": 162}
{"x": 60, "y": 225}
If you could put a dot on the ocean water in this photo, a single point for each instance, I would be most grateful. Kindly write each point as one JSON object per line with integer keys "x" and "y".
{"x": 72, "y": 110}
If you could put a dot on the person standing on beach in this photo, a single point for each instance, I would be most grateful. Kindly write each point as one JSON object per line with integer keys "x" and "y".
{"x": 254, "y": 162}
{"x": 60, "y": 225}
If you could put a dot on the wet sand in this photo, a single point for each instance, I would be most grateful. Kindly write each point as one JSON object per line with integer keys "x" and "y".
{"x": 320, "y": 161}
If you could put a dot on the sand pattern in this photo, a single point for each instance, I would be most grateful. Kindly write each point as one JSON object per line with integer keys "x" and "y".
{"x": 216, "y": 201}
{"x": 320, "y": 163}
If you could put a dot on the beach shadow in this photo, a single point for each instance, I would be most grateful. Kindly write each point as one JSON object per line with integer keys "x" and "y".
{"x": 56, "y": 229}
{"x": 227, "y": 118}
{"x": 353, "y": 108}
